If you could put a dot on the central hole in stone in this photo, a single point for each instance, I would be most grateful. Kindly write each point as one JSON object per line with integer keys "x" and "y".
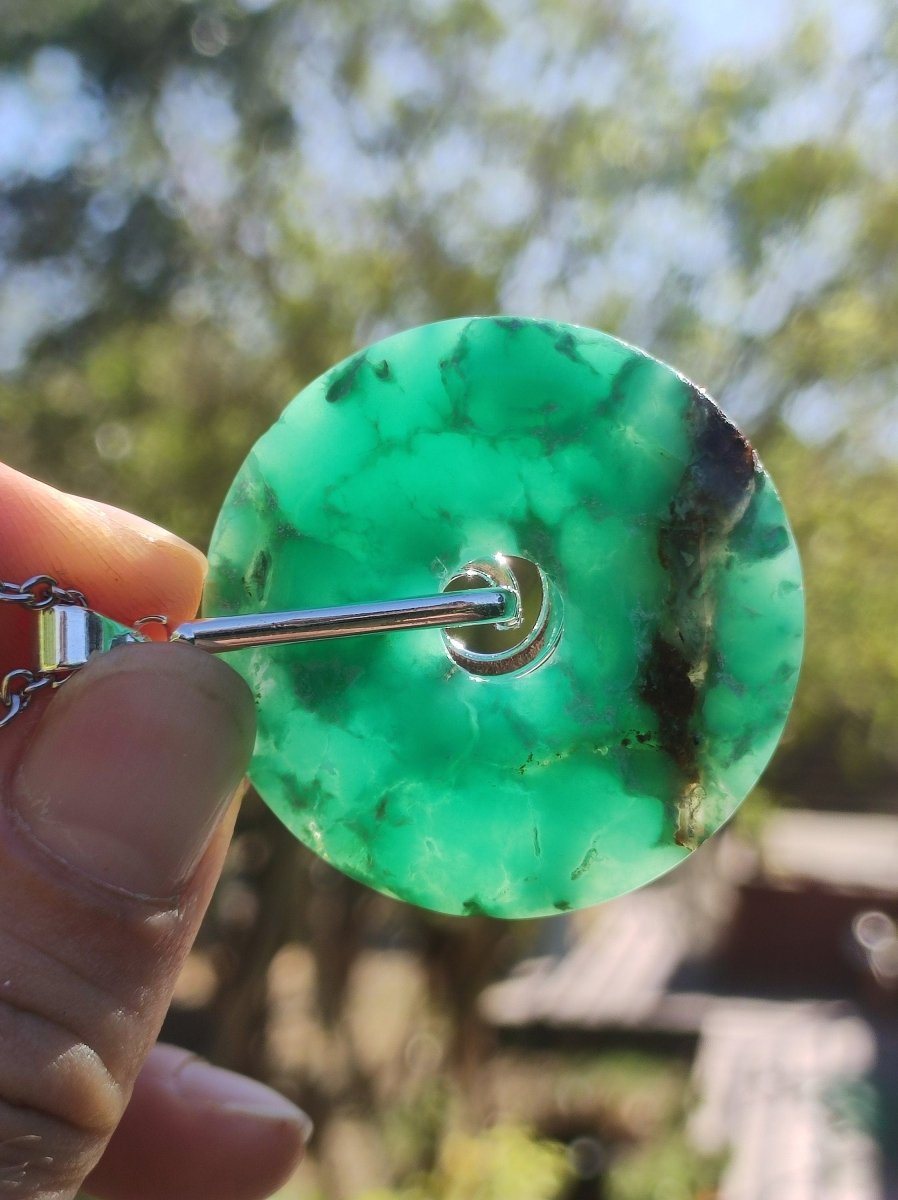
{"x": 510, "y": 647}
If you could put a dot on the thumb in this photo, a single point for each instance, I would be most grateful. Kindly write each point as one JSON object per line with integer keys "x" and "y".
{"x": 133, "y": 766}
{"x": 114, "y": 818}
{"x": 111, "y": 837}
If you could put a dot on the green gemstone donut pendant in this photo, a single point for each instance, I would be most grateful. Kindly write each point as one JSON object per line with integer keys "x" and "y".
{"x": 555, "y": 761}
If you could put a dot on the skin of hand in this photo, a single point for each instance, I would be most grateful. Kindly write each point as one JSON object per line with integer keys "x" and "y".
{"x": 117, "y": 800}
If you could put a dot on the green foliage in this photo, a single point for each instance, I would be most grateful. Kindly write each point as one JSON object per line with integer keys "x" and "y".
{"x": 505, "y": 1161}
{"x": 668, "y": 1169}
{"x": 787, "y": 186}
{"x": 626, "y": 1081}
{"x": 840, "y": 749}
{"x": 651, "y": 1099}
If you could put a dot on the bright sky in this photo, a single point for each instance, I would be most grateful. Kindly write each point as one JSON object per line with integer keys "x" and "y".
{"x": 710, "y": 29}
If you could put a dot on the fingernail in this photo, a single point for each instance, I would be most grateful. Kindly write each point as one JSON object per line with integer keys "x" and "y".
{"x": 134, "y": 763}
{"x": 205, "y": 1086}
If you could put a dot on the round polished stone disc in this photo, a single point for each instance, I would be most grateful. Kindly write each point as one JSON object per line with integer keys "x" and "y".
{"x": 678, "y": 592}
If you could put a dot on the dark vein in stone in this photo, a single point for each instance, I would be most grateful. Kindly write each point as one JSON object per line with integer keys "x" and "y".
{"x": 343, "y": 379}
{"x": 711, "y": 498}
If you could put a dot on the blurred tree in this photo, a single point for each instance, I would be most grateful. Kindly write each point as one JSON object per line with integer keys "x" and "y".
{"x": 203, "y": 205}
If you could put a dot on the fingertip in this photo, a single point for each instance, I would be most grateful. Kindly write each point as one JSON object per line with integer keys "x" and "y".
{"x": 127, "y": 566}
{"x": 133, "y": 766}
{"x": 180, "y": 567}
{"x": 195, "y": 1130}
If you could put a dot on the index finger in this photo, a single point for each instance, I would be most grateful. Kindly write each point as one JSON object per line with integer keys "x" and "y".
{"x": 126, "y": 566}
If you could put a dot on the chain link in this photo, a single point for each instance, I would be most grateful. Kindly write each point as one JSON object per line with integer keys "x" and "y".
{"x": 38, "y": 593}
{"x": 17, "y": 689}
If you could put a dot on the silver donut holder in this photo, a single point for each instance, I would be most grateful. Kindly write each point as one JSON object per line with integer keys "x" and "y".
{"x": 69, "y": 634}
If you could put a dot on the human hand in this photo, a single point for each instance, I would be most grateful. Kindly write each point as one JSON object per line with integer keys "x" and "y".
{"x": 116, "y": 806}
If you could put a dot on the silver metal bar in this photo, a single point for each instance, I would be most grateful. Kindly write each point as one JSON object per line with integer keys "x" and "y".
{"x": 478, "y": 606}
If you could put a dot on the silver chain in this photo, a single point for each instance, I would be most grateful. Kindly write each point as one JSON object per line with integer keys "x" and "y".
{"x": 37, "y": 594}
{"x": 40, "y": 592}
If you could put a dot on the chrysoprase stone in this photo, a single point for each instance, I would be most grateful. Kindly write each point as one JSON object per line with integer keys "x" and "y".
{"x": 514, "y": 795}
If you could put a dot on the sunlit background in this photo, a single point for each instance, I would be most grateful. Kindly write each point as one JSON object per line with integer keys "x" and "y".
{"x": 202, "y": 206}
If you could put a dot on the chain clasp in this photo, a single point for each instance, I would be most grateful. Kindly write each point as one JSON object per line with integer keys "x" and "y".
{"x": 68, "y": 633}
